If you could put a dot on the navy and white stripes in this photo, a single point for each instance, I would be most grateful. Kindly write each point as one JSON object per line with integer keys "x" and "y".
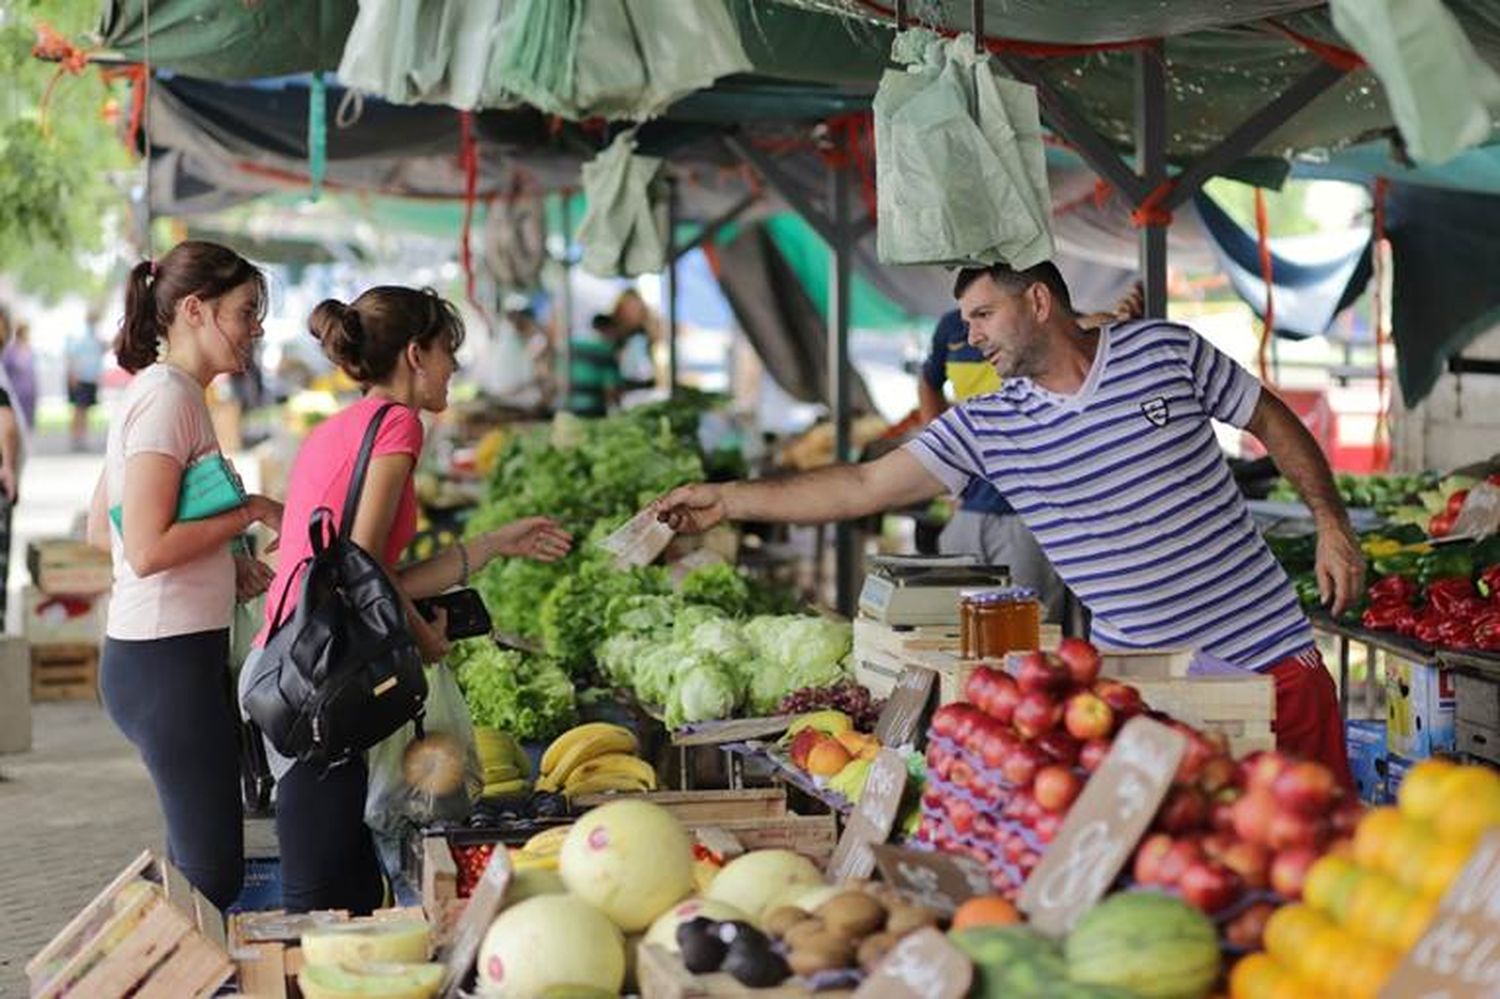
{"x": 1128, "y": 493}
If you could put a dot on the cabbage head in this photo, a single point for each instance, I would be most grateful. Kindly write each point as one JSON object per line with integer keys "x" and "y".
{"x": 705, "y": 691}
{"x": 723, "y": 638}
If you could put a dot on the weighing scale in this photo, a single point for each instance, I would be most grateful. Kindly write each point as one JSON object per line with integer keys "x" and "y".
{"x": 907, "y": 591}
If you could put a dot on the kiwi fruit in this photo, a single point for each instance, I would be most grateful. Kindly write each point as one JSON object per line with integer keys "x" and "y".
{"x": 905, "y": 918}
{"x": 783, "y": 918}
{"x": 823, "y": 951}
{"x": 852, "y": 915}
{"x": 874, "y": 948}
{"x": 808, "y": 928}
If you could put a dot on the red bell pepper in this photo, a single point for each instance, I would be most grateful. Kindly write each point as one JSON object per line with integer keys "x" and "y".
{"x": 1444, "y": 594}
{"x": 1383, "y": 616}
{"x": 1440, "y": 524}
{"x": 1456, "y": 633}
{"x": 1406, "y": 622}
{"x": 1489, "y": 582}
{"x": 1393, "y": 588}
{"x": 1429, "y": 629}
{"x": 1487, "y": 632}
{"x": 1467, "y": 609}
{"x": 1456, "y": 502}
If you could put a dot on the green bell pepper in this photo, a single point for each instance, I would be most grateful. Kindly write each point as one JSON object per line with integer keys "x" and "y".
{"x": 1403, "y": 564}
{"x": 1487, "y": 552}
{"x": 1306, "y": 585}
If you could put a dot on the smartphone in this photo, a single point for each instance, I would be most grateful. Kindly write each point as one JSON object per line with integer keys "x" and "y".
{"x": 467, "y": 615}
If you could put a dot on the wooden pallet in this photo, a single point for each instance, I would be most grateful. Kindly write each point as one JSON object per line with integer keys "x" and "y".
{"x": 64, "y": 673}
{"x": 148, "y": 934}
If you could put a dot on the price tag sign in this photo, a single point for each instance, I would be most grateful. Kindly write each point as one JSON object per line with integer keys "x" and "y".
{"x": 1459, "y": 955}
{"x": 924, "y": 965}
{"x": 484, "y": 906}
{"x": 872, "y": 821}
{"x": 904, "y": 708}
{"x": 1103, "y": 826}
{"x": 639, "y": 540}
{"x": 937, "y": 881}
{"x": 1480, "y": 516}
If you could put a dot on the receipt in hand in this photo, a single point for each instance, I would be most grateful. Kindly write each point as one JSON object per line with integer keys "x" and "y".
{"x": 639, "y": 540}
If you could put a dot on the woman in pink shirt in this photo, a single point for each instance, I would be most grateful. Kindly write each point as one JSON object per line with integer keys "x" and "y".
{"x": 399, "y": 344}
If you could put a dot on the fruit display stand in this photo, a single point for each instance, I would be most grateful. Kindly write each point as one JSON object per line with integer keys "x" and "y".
{"x": 266, "y": 946}
{"x": 1344, "y": 636}
{"x": 147, "y": 934}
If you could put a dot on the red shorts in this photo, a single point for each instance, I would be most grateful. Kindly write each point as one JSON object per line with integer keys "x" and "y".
{"x": 1307, "y": 714}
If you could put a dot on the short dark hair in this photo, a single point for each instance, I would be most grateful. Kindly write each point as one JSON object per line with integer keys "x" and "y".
{"x": 1008, "y": 277}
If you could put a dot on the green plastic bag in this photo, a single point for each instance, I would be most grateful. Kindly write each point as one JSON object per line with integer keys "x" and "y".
{"x": 1439, "y": 89}
{"x": 960, "y": 168}
{"x": 624, "y": 230}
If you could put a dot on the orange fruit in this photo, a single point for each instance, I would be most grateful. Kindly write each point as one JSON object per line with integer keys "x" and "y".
{"x": 1255, "y": 977}
{"x": 1387, "y": 920}
{"x": 1289, "y": 928}
{"x": 1375, "y": 831}
{"x": 1367, "y": 972}
{"x": 1371, "y": 896}
{"x": 1420, "y": 795}
{"x": 1444, "y": 862}
{"x": 1470, "y": 803}
{"x": 1323, "y": 955}
{"x": 1330, "y": 882}
{"x": 1292, "y": 987}
{"x": 986, "y": 910}
{"x": 1414, "y": 923}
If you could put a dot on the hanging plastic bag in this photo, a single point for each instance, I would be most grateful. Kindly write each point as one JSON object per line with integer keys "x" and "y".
{"x": 427, "y": 52}
{"x": 624, "y": 230}
{"x": 960, "y": 167}
{"x": 417, "y": 781}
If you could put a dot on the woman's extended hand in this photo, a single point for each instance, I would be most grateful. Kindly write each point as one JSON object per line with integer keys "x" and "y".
{"x": 540, "y": 538}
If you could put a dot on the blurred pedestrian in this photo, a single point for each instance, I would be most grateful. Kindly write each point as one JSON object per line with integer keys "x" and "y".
{"x": 85, "y": 366}
{"x": 20, "y": 367}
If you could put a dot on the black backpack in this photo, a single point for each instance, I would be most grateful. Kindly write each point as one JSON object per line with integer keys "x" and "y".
{"x": 343, "y": 672}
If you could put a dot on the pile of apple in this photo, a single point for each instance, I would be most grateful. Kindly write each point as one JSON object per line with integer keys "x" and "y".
{"x": 1236, "y": 838}
{"x": 1005, "y": 766}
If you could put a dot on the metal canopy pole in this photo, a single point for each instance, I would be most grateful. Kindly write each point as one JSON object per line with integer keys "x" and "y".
{"x": 565, "y": 347}
{"x": 1151, "y": 163}
{"x": 713, "y": 228}
{"x": 838, "y": 375}
{"x": 671, "y": 288}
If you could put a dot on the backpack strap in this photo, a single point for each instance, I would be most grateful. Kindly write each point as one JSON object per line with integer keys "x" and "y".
{"x": 361, "y": 466}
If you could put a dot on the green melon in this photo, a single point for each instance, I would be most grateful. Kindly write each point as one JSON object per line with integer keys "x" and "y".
{"x": 1009, "y": 961}
{"x": 1157, "y": 946}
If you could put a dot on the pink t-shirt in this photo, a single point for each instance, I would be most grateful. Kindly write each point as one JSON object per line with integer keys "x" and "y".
{"x": 320, "y": 478}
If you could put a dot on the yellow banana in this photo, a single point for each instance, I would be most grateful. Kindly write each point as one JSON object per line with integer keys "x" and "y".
{"x": 613, "y": 763}
{"x": 523, "y": 861}
{"x": 494, "y": 773}
{"x": 547, "y": 841}
{"x": 827, "y": 721}
{"x": 601, "y": 783}
{"x": 498, "y": 788}
{"x": 579, "y": 745}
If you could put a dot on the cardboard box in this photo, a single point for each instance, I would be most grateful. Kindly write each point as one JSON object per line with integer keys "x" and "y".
{"x": 1396, "y": 768}
{"x": 47, "y": 619}
{"x": 1419, "y": 709}
{"x": 67, "y": 566}
{"x": 1367, "y": 753}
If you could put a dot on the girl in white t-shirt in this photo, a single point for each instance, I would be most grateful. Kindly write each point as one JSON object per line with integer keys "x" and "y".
{"x": 189, "y": 317}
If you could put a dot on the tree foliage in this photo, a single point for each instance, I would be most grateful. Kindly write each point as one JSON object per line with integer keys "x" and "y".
{"x": 63, "y": 168}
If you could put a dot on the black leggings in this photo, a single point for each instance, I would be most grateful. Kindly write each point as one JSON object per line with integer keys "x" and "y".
{"x": 171, "y": 698}
{"x": 327, "y": 857}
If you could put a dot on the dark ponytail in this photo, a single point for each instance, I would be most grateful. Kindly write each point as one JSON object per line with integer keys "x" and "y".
{"x": 153, "y": 290}
{"x": 366, "y": 337}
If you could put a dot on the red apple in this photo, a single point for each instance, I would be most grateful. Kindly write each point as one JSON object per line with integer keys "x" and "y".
{"x": 976, "y": 687}
{"x": 945, "y": 719}
{"x": 1217, "y": 774}
{"x": 1195, "y": 758}
{"x": 1221, "y": 815}
{"x": 961, "y": 816}
{"x": 1036, "y": 715}
{"x": 1261, "y": 768}
{"x": 1038, "y": 673}
{"x": 1208, "y": 887}
{"x": 1289, "y": 871}
{"x": 996, "y": 744}
{"x": 1060, "y": 747}
{"x": 1306, "y": 788}
{"x": 1033, "y": 813}
{"x": 1123, "y": 699}
{"x": 1252, "y": 816}
{"x": 1247, "y": 930}
{"x": 993, "y": 691}
{"x": 1149, "y": 856}
{"x": 1081, "y": 659}
{"x": 1183, "y": 854}
{"x": 1047, "y": 826}
{"x": 1056, "y": 787}
{"x": 1289, "y": 830}
{"x": 1346, "y": 818}
{"x": 1021, "y": 764}
{"x": 1184, "y": 810}
{"x": 1014, "y": 846}
{"x": 1250, "y": 861}
{"x": 1088, "y": 717}
{"x": 1093, "y": 753}
{"x": 802, "y": 745}
{"x": 1216, "y": 844}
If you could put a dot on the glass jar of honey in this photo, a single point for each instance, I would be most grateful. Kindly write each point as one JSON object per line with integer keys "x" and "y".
{"x": 993, "y": 623}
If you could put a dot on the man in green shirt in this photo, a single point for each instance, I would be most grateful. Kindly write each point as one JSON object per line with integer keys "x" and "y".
{"x": 594, "y": 381}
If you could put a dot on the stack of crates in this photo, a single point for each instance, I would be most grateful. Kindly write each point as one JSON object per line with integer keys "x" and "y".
{"x": 64, "y": 617}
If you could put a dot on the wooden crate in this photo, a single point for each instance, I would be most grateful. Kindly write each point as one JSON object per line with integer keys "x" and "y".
{"x": 1240, "y": 706}
{"x": 660, "y": 975}
{"x": 882, "y": 653}
{"x": 68, "y": 567}
{"x": 698, "y": 807}
{"x": 147, "y": 934}
{"x": 266, "y": 952}
{"x": 64, "y": 673}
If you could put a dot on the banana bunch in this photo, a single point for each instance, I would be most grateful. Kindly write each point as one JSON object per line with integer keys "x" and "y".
{"x": 593, "y": 758}
{"x": 850, "y": 781}
{"x": 541, "y": 851}
{"x": 827, "y": 721}
{"x": 506, "y": 768}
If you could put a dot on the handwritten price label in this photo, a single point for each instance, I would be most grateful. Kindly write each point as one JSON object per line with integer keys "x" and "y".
{"x": 1459, "y": 955}
{"x": 1103, "y": 826}
{"x": 924, "y": 965}
{"x": 872, "y": 821}
{"x": 903, "y": 711}
{"x": 936, "y": 881}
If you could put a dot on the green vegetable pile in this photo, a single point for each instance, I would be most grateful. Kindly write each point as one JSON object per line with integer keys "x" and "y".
{"x": 530, "y": 697}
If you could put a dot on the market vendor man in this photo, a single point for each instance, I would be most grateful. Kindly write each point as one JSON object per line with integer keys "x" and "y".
{"x": 1101, "y": 441}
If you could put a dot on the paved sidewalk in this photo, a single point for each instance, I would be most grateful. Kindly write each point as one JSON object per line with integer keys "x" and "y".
{"x": 73, "y": 812}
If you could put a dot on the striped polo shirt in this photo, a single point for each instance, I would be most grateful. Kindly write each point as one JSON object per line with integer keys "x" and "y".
{"x": 1126, "y": 489}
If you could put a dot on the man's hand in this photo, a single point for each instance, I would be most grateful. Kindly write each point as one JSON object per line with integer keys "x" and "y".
{"x": 252, "y": 577}
{"x": 692, "y": 509}
{"x": 1340, "y": 567}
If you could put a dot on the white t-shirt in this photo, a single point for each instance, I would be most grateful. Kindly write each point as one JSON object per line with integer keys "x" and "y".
{"x": 164, "y": 412}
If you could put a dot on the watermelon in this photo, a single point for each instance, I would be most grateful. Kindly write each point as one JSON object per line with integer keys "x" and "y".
{"x": 1157, "y": 946}
{"x": 1010, "y": 961}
